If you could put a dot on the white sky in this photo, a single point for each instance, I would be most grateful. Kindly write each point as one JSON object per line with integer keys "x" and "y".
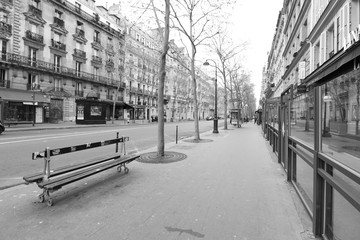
{"x": 254, "y": 21}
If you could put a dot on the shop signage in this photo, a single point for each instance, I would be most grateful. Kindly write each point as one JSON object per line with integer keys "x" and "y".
{"x": 352, "y": 38}
{"x": 30, "y": 103}
{"x": 301, "y": 89}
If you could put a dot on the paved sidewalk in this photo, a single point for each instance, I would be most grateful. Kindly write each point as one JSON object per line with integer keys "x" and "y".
{"x": 229, "y": 188}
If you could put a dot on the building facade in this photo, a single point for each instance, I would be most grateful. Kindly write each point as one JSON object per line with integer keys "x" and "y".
{"x": 55, "y": 53}
{"x": 316, "y": 135}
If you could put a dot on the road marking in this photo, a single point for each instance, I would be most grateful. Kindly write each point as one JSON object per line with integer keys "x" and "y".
{"x": 45, "y": 137}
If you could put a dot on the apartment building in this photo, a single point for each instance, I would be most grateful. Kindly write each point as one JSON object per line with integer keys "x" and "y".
{"x": 319, "y": 110}
{"x": 57, "y": 52}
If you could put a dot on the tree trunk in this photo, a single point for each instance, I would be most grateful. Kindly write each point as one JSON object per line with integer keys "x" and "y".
{"x": 161, "y": 138}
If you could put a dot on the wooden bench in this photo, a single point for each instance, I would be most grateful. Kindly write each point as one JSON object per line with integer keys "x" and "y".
{"x": 51, "y": 180}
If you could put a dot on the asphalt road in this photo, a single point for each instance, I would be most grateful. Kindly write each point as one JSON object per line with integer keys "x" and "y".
{"x": 16, "y": 147}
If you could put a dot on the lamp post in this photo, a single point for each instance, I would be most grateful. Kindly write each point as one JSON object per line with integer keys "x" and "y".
{"x": 206, "y": 63}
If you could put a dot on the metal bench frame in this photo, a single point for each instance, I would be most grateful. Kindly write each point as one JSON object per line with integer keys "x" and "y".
{"x": 53, "y": 180}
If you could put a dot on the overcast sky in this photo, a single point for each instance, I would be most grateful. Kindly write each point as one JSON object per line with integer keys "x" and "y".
{"x": 253, "y": 22}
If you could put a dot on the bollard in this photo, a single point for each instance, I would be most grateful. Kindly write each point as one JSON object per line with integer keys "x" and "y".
{"x": 176, "y": 135}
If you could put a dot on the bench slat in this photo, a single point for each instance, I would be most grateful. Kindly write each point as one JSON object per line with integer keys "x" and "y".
{"x": 56, "y": 184}
{"x": 38, "y": 176}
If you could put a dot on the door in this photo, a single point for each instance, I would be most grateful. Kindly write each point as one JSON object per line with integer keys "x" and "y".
{"x": 39, "y": 116}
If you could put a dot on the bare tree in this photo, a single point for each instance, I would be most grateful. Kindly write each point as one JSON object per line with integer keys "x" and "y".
{"x": 193, "y": 19}
{"x": 164, "y": 36}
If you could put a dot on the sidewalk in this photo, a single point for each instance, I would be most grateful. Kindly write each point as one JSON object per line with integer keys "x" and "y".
{"x": 229, "y": 188}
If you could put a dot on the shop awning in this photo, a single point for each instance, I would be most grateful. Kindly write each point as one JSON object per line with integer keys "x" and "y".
{"x": 16, "y": 95}
{"x": 339, "y": 64}
{"x": 120, "y": 104}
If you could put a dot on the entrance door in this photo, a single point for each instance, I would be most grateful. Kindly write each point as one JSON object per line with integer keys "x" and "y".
{"x": 39, "y": 116}
{"x": 56, "y": 110}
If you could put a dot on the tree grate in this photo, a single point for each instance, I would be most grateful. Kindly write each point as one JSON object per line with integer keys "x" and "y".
{"x": 169, "y": 157}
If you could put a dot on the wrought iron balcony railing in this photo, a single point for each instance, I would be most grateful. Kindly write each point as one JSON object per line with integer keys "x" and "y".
{"x": 5, "y": 28}
{"x": 109, "y": 63}
{"x": 59, "y": 22}
{"x": 96, "y": 58}
{"x": 39, "y": 65}
{"x": 79, "y": 93}
{"x": 58, "y": 45}
{"x": 34, "y": 36}
{"x": 35, "y": 10}
{"x": 79, "y": 53}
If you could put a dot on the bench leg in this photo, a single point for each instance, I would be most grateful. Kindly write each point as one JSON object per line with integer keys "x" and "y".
{"x": 46, "y": 195}
{"x": 126, "y": 169}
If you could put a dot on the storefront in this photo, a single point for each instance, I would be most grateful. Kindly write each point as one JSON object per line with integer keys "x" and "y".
{"x": 318, "y": 143}
{"x": 24, "y": 106}
{"x": 90, "y": 111}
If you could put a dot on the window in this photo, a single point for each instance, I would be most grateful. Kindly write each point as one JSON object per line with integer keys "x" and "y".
{"x": 33, "y": 81}
{"x": 137, "y": 37}
{"x": 96, "y": 36}
{"x": 338, "y": 34}
{"x": 3, "y": 47}
{"x": 57, "y": 84}
{"x": 32, "y": 56}
{"x": 58, "y": 13}
{"x": 3, "y": 17}
{"x": 57, "y": 63}
{"x": 57, "y": 37}
{"x": 78, "y": 68}
{"x": 35, "y": 3}
{"x": 78, "y": 45}
{"x": 96, "y": 71}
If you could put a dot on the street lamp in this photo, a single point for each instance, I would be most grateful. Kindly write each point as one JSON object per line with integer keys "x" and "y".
{"x": 206, "y": 63}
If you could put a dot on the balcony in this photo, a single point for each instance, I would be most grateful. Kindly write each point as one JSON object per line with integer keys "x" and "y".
{"x": 109, "y": 97}
{"x": 80, "y": 32}
{"x": 131, "y": 102}
{"x": 59, "y": 22}
{"x": 79, "y": 93}
{"x": 34, "y": 36}
{"x": 42, "y": 66}
{"x": 5, "y": 28}
{"x": 144, "y": 103}
{"x": 121, "y": 99}
{"x": 5, "y": 83}
{"x": 79, "y": 53}
{"x": 109, "y": 64}
{"x": 34, "y": 10}
{"x": 97, "y": 59}
{"x": 58, "y": 45}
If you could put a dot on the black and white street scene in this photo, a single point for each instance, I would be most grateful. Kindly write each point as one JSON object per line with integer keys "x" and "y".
{"x": 180, "y": 119}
